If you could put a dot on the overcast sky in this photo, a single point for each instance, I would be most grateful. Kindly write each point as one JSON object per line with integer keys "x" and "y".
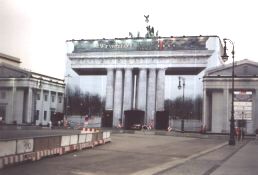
{"x": 36, "y": 30}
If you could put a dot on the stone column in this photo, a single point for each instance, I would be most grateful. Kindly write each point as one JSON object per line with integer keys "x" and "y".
{"x": 160, "y": 93}
{"x": 109, "y": 90}
{"x": 29, "y": 105}
{"x": 151, "y": 94}
{"x": 142, "y": 90}
{"x": 56, "y": 102}
{"x": 128, "y": 90}
{"x": 117, "y": 114}
{"x": 226, "y": 114}
{"x": 49, "y": 106}
{"x": 13, "y": 105}
{"x": 41, "y": 114}
{"x": 205, "y": 113}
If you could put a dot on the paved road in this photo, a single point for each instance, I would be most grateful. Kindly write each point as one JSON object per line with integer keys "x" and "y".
{"x": 126, "y": 154}
{"x": 205, "y": 164}
{"x": 245, "y": 161}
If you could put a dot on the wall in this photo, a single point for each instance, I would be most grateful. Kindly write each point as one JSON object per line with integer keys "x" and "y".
{"x": 189, "y": 125}
{"x": 217, "y": 112}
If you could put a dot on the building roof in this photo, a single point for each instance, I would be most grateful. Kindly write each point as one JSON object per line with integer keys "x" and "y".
{"x": 10, "y": 58}
{"x": 10, "y": 71}
{"x": 242, "y": 68}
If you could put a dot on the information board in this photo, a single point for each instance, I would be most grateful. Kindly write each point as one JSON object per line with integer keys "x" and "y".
{"x": 243, "y": 105}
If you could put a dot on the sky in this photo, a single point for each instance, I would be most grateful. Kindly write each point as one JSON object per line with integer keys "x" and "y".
{"x": 36, "y": 30}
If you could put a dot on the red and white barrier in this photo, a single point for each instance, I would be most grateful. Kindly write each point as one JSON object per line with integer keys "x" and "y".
{"x": 89, "y": 130}
{"x": 16, "y": 151}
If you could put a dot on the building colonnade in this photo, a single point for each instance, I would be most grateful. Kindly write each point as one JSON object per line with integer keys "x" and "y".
{"x": 135, "y": 89}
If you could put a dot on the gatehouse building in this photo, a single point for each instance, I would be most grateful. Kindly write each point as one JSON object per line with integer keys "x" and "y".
{"x": 28, "y": 97}
{"x": 217, "y": 97}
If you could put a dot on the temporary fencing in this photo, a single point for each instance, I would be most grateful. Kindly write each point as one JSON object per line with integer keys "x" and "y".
{"x": 36, "y": 148}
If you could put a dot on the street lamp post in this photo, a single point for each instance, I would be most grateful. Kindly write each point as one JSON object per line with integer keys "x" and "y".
{"x": 179, "y": 87}
{"x": 232, "y": 120}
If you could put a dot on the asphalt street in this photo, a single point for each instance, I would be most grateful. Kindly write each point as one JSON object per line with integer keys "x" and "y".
{"x": 126, "y": 154}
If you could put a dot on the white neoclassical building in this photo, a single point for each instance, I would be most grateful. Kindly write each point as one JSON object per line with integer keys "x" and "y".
{"x": 136, "y": 68}
{"x": 27, "y": 97}
{"x": 217, "y": 97}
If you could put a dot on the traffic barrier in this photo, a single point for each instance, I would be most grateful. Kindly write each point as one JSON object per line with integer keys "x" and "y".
{"x": 100, "y": 136}
{"x": 85, "y": 145}
{"x": 89, "y": 130}
{"x": 45, "y": 153}
{"x": 44, "y": 143}
{"x": 7, "y": 148}
{"x": 54, "y": 142}
{"x": 16, "y": 151}
{"x": 95, "y": 139}
{"x": 106, "y": 137}
{"x": 82, "y": 138}
{"x": 73, "y": 139}
{"x": 108, "y": 134}
{"x": 65, "y": 140}
{"x": 89, "y": 137}
{"x": 41, "y": 143}
{"x": 24, "y": 146}
{"x": 14, "y": 159}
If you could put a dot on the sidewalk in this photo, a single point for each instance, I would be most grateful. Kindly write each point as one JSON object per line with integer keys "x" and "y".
{"x": 245, "y": 161}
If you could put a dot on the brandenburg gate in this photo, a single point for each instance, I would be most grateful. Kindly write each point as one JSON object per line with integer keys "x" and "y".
{"x": 136, "y": 67}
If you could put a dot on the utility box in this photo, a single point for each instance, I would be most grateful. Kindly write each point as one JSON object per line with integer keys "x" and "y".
{"x": 161, "y": 120}
{"x": 134, "y": 119}
{"x": 107, "y": 119}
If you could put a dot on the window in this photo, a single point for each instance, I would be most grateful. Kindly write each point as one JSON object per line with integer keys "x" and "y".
{"x": 45, "y": 96}
{"x": 45, "y": 115}
{"x": 3, "y": 95}
{"x": 37, "y": 115}
{"x": 60, "y": 98}
{"x": 53, "y": 98}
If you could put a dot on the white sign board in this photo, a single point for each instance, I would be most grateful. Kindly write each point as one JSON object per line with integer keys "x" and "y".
{"x": 243, "y": 105}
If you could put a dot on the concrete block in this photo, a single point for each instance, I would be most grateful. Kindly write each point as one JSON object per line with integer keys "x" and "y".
{"x": 24, "y": 146}
{"x": 104, "y": 135}
{"x": 74, "y": 139}
{"x": 7, "y": 148}
{"x": 89, "y": 137}
{"x": 40, "y": 143}
{"x": 65, "y": 140}
{"x": 54, "y": 142}
{"x": 82, "y": 138}
{"x": 108, "y": 134}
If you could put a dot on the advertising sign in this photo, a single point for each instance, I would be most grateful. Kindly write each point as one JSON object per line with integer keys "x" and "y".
{"x": 243, "y": 105}
{"x": 140, "y": 44}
